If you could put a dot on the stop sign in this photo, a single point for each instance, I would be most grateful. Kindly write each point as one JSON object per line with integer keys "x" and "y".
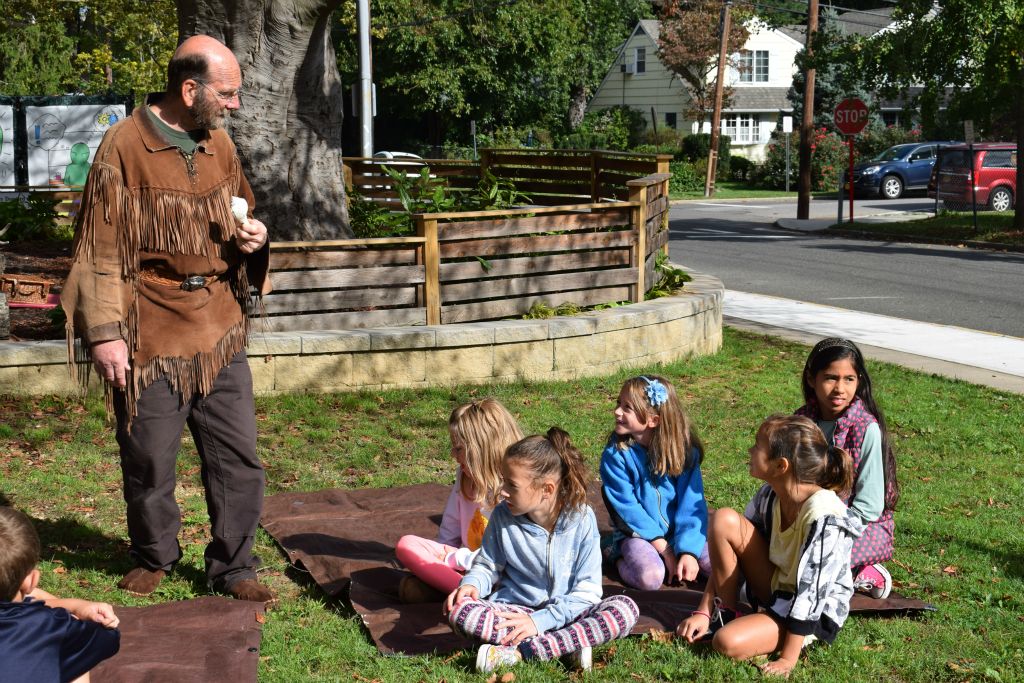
{"x": 850, "y": 116}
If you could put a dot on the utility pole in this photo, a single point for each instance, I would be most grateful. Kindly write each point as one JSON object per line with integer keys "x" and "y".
{"x": 803, "y": 185}
{"x": 716, "y": 115}
{"x": 365, "y": 81}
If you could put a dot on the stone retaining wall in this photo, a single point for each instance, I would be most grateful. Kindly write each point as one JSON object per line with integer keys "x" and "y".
{"x": 565, "y": 347}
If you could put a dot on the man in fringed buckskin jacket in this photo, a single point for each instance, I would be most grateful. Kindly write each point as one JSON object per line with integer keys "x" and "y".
{"x": 158, "y": 293}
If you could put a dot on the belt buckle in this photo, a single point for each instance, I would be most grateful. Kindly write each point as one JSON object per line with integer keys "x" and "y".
{"x": 193, "y": 282}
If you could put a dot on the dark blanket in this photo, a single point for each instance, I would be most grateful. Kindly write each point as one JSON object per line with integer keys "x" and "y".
{"x": 344, "y": 537}
{"x": 205, "y": 639}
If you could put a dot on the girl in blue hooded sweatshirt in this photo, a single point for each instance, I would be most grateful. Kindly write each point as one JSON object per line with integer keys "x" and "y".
{"x": 539, "y": 567}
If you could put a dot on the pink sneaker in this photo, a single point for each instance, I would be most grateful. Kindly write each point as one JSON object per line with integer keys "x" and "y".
{"x": 874, "y": 580}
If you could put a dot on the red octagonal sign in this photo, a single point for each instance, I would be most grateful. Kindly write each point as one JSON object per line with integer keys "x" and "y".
{"x": 850, "y": 116}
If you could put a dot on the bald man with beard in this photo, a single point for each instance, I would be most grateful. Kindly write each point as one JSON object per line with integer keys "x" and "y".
{"x": 158, "y": 293}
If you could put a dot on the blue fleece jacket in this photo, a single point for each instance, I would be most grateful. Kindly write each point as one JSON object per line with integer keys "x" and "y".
{"x": 644, "y": 505}
{"x": 558, "y": 573}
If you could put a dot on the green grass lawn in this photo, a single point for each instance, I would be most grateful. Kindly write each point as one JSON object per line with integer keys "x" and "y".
{"x": 738, "y": 189}
{"x": 960, "y": 543}
{"x": 952, "y": 226}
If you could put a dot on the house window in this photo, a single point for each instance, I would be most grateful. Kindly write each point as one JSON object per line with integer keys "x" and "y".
{"x": 742, "y": 128}
{"x": 670, "y": 119}
{"x": 753, "y": 66}
{"x": 891, "y": 118}
{"x": 641, "y": 60}
{"x": 634, "y": 62}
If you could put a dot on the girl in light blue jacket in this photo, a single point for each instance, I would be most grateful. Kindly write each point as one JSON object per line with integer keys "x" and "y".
{"x": 540, "y": 565}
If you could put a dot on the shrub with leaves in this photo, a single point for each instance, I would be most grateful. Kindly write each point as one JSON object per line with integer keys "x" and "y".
{"x": 686, "y": 177}
{"x": 829, "y": 155}
{"x": 32, "y": 218}
{"x": 670, "y": 278}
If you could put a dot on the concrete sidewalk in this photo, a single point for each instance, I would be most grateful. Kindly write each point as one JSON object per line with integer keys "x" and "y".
{"x": 994, "y": 360}
{"x": 819, "y": 224}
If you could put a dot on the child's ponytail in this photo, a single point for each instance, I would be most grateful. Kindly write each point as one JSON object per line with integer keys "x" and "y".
{"x": 572, "y": 487}
{"x": 554, "y": 455}
{"x": 838, "y": 471}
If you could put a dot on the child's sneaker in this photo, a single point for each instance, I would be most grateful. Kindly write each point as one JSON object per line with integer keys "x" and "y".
{"x": 720, "y": 616}
{"x": 874, "y": 580}
{"x": 491, "y": 657}
{"x": 582, "y": 659}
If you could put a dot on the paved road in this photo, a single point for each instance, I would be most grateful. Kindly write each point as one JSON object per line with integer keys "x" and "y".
{"x": 736, "y": 241}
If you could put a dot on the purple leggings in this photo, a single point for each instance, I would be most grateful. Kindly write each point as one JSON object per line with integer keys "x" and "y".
{"x": 642, "y": 567}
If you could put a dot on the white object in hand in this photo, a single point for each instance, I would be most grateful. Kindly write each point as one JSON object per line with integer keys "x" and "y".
{"x": 240, "y": 209}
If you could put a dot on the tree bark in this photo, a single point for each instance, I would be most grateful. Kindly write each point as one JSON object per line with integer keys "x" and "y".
{"x": 288, "y": 131}
{"x": 1018, "y": 204}
{"x": 577, "y": 105}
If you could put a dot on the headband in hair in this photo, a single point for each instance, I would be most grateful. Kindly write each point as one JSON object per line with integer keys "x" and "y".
{"x": 832, "y": 343}
{"x": 656, "y": 392}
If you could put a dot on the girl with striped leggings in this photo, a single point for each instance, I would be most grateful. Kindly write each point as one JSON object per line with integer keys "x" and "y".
{"x": 539, "y": 567}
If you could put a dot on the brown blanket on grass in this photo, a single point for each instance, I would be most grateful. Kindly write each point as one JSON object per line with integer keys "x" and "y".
{"x": 205, "y": 639}
{"x": 342, "y": 536}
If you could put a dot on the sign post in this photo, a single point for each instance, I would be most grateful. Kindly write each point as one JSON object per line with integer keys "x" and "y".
{"x": 787, "y": 128}
{"x": 850, "y": 117}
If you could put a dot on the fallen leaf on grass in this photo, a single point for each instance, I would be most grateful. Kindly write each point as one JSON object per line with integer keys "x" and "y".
{"x": 261, "y": 618}
{"x": 950, "y": 569}
{"x": 60, "y": 570}
{"x": 662, "y": 636}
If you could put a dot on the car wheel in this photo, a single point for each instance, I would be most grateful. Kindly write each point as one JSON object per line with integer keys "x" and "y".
{"x": 1001, "y": 199}
{"x": 892, "y": 187}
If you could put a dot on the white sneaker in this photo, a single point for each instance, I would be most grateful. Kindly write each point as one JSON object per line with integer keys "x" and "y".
{"x": 582, "y": 659}
{"x": 491, "y": 657}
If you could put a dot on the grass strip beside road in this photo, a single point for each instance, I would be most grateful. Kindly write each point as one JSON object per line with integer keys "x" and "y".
{"x": 959, "y": 524}
{"x": 948, "y": 227}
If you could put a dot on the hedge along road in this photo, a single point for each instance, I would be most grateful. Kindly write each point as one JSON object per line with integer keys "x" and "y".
{"x": 737, "y": 242}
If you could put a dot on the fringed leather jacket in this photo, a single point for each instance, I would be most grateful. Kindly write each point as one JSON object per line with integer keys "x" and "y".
{"x": 151, "y": 218}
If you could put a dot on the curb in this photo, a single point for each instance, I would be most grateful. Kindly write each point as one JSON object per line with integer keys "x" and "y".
{"x": 917, "y": 239}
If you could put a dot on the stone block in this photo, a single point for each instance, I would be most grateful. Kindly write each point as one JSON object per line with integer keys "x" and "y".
{"x": 263, "y": 368}
{"x": 33, "y": 353}
{"x": 37, "y": 380}
{"x": 571, "y": 326}
{"x": 313, "y": 373}
{"x": 468, "y": 334}
{"x": 273, "y": 344}
{"x": 626, "y": 344}
{"x": 578, "y": 352}
{"x": 337, "y": 341}
{"x": 512, "y": 331}
{"x": 388, "y": 368}
{"x": 382, "y": 339}
{"x": 462, "y": 364}
{"x": 527, "y": 360}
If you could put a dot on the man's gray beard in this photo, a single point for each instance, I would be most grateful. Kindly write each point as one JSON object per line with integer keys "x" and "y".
{"x": 208, "y": 118}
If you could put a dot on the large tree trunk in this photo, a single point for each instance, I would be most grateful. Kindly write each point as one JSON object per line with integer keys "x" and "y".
{"x": 288, "y": 131}
{"x": 1018, "y": 210}
{"x": 577, "y": 105}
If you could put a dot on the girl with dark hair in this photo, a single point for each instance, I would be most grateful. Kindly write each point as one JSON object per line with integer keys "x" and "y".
{"x": 539, "y": 566}
{"x": 838, "y": 397}
{"x": 792, "y": 545}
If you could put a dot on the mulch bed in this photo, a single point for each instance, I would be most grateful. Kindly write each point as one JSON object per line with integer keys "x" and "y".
{"x": 50, "y": 260}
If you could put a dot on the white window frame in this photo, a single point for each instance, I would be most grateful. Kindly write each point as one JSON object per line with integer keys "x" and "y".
{"x": 754, "y": 66}
{"x": 742, "y": 129}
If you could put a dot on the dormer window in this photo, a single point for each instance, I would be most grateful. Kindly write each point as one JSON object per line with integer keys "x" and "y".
{"x": 753, "y": 66}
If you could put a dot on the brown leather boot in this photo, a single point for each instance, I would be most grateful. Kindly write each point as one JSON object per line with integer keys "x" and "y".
{"x": 252, "y": 590}
{"x": 141, "y": 581}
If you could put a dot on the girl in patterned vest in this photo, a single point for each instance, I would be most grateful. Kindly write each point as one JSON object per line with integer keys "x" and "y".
{"x": 838, "y": 397}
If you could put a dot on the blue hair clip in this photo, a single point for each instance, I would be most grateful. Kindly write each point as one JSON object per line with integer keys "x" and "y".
{"x": 656, "y": 391}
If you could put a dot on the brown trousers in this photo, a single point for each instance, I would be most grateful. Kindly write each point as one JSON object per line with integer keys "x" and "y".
{"x": 223, "y": 426}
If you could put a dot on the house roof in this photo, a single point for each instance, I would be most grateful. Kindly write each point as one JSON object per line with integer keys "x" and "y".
{"x": 865, "y": 22}
{"x": 760, "y": 99}
{"x": 652, "y": 27}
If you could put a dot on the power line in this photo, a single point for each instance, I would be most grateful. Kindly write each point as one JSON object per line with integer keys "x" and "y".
{"x": 454, "y": 15}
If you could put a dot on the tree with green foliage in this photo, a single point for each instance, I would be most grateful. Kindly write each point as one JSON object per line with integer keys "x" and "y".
{"x": 972, "y": 47}
{"x": 688, "y": 45}
{"x": 52, "y": 47}
{"x": 503, "y": 64}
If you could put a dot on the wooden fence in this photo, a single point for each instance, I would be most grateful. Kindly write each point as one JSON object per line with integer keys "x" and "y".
{"x": 469, "y": 266}
{"x": 549, "y": 177}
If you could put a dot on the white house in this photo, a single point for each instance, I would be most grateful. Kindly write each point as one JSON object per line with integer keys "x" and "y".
{"x": 638, "y": 79}
{"x": 767, "y": 63}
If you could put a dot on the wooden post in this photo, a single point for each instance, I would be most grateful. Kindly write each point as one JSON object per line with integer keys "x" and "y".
{"x": 485, "y": 162}
{"x": 638, "y": 193}
{"x": 595, "y": 170}
{"x": 664, "y": 216}
{"x": 716, "y": 114}
{"x": 803, "y": 183}
{"x": 663, "y": 164}
{"x": 426, "y": 227}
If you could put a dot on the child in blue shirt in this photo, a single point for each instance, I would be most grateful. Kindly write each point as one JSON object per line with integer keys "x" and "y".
{"x": 652, "y": 487}
{"x": 43, "y": 638}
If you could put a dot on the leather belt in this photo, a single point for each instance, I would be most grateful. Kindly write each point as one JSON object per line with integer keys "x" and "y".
{"x": 188, "y": 283}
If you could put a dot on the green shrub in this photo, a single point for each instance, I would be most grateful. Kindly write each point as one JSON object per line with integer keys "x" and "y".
{"x": 685, "y": 177}
{"x": 32, "y": 218}
{"x": 829, "y": 155}
{"x": 618, "y": 128}
{"x": 695, "y": 147}
{"x": 877, "y": 138}
{"x": 740, "y": 168}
